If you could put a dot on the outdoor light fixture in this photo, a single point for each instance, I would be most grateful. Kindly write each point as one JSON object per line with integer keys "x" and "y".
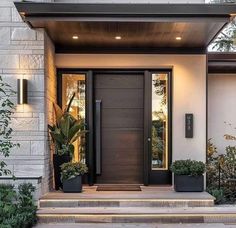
{"x": 75, "y": 37}
{"x": 178, "y": 38}
{"x": 118, "y": 37}
{"x": 22, "y": 13}
{"x": 22, "y": 91}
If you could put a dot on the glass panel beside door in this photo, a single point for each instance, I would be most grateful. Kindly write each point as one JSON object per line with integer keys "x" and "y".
{"x": 160, "y": 153}
{"x": 159, "y": 121}
{"x": 75, "y": 83}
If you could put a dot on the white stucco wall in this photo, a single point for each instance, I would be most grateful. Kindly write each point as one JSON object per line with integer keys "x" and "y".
{"x": 189, "y": 91}
{"x": 221, "y": 109}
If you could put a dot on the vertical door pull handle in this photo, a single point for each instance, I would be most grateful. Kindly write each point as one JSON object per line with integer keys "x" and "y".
{"x": 98, "y": 136}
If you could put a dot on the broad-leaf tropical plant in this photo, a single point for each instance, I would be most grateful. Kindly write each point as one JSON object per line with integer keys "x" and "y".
{"x": 66, "y": 130}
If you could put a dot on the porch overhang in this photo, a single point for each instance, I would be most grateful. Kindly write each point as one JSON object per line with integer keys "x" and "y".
{"x": 144, "y": 28}
{"x": 222, "y": 63}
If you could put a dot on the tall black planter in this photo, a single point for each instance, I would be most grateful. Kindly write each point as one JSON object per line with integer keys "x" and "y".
{"x": 57, "y": 162}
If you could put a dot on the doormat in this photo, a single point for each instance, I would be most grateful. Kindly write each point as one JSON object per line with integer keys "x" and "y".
{"x": 119, "y": 188}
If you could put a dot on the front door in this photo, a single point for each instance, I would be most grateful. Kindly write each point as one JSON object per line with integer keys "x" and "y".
{"x": 119, "y": 127}
{"x": 128, "y": 115}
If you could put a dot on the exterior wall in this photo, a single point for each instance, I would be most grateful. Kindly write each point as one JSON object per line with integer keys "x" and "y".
{"x": 27, "y": 53}
{"x": 189, "y": 91}
{"x": 221, "y": 109}
{"x": 22, "y": 55}
{"x": 50, "y": 93}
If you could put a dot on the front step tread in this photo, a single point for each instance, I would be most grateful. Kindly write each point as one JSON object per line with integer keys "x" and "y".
{"x": 138, "y": 215}
{"x": 138, "y": 210}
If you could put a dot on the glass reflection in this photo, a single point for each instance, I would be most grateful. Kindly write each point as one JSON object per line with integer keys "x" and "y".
{"x": 159, "y": 121}
{"x": 75, "y": 83}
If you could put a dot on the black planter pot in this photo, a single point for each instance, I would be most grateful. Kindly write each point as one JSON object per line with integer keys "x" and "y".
{"x": 57, "y": 162}
{"x": 185, "y": 183}
{"x": 73, "y": 185}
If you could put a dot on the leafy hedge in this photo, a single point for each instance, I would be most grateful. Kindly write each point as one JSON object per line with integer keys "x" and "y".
{"x": 17, "y": 208}
{"x": 188, "y": 167}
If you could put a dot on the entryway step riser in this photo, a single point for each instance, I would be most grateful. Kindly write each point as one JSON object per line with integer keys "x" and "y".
{"x": 138, "y": 219}
{"x": 126, "y": 203}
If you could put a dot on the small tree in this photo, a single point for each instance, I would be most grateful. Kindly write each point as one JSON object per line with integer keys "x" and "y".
{"x": 225, "y": 41}
{"x": 6, "y": 110}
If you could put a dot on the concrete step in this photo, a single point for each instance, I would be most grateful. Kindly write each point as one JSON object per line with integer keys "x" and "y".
{"x": 137, "y": 215}
{"x": 148, "y": 197}
{"x": 76, "y": 202}
{"x": 133, "y": 225}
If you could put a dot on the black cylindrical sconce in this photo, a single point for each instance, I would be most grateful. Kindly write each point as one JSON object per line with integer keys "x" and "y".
{"x": 22, "y": 91}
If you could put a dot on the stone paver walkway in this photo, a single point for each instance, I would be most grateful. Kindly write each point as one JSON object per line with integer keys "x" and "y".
{"x": 92, "y": 225}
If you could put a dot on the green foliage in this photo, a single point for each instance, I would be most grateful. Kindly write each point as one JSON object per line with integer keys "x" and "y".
{"x": 160, "y": 90}
{"x": 188, "y": 167}
{"x": 219, "y": 195}
{"x": 26, "y": 194}
{"x": 73, "y": 169}
{"x": 6, "y": 110}
{"x": 157, "y": 145}
{"x": 17, "y": 208}
{"x": 66, "y": 130}
{"x": 225, "y": 41}
{"x": 221, "y": 176}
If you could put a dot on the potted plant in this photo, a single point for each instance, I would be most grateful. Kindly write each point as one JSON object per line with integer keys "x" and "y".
{"x": 64, "y": 133}
{"x": 188, "y": 175}
{"x": 71, "y": 176}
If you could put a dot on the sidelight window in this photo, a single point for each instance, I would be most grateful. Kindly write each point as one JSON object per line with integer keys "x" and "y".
{"x": 159, "y": 146}
{"x": 75, "y": 83}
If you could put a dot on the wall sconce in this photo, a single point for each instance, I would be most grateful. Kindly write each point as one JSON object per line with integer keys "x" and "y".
{"x": 22, "y": 91}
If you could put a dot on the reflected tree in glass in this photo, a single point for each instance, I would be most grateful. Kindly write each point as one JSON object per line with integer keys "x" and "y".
{"x": 159, "y": 121}
{"x": 75, "y": 83}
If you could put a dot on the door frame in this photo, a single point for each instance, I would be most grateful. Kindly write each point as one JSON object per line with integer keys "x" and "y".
{"x": 89, "y": 96}
{"x": 165, "y": 176}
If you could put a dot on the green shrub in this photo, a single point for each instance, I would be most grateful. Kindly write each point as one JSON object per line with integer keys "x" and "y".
{"x": 7, "y": 108}
{"x": 188, "y": 167}
{"x": 219, "y": 195}
{"x": 221, "y": 173}
{"x": 73, "y": 169}
{"x": 17, "y": 208}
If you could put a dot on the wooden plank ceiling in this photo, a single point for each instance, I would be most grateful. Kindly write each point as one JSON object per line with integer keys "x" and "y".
{"x": 134, "y": 35}
{"x": 142, "y": 27}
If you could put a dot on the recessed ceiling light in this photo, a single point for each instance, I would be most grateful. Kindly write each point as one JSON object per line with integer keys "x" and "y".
{"x": 178, "y": 38}
{"x": 75, "y": 37}
{"x": 118, "y": 37}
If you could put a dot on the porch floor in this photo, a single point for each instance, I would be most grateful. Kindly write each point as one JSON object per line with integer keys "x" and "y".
{"x": 148, "y": 193}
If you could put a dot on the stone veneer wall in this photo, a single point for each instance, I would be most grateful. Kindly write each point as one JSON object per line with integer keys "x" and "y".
{"x": 50, "y": 98}
{"x": 27, "y": 53}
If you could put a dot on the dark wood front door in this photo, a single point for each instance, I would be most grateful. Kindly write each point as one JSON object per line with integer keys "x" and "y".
{"x": 121, "y": 115}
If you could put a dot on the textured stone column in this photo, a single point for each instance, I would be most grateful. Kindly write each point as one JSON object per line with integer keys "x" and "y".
{"x": 27, "y": 53}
